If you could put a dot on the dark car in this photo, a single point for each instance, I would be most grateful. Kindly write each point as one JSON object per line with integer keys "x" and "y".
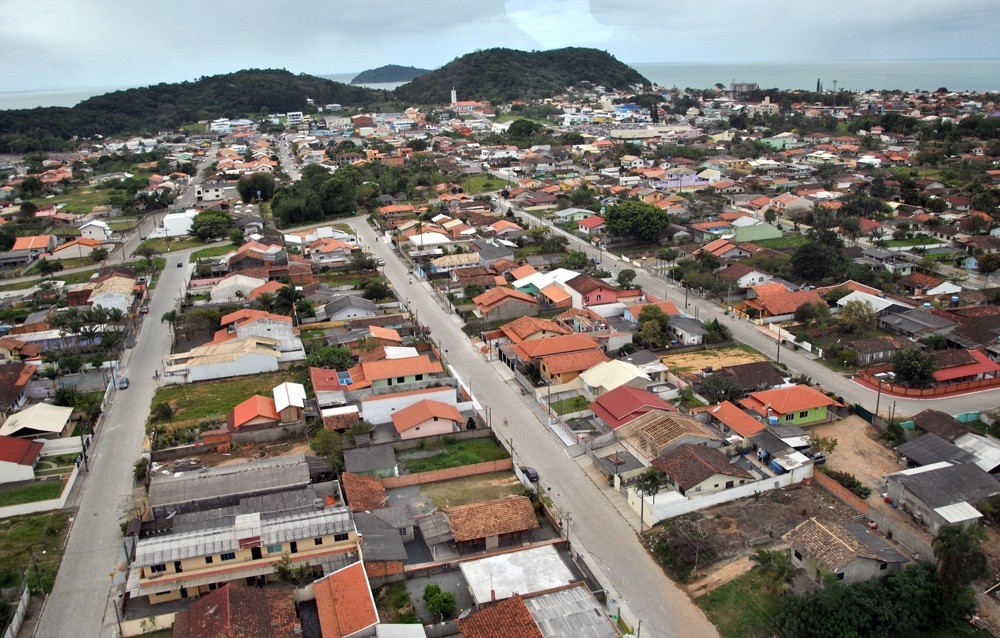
{"x": 531, "y": 473}
{"x": 122, "y": 383}
{"x": 180, "y": 263}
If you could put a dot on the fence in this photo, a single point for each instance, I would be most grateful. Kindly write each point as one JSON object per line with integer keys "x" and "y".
{"x": 19, "y": 613}
{"x": 43, "y": 506}
{"x": 420, "y": 478}
{"x": 868, "y": 376}
{"x": 858, "y": 504}
{"x": 140, "y": 626}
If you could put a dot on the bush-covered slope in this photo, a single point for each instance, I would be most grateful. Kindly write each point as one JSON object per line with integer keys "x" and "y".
{"x": 388, "y": 73}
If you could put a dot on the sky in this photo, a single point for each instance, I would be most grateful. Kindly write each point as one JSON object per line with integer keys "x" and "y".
{"x": 50, "y": 45}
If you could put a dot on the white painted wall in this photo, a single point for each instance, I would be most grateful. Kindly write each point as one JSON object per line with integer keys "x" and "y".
{"x": 381, "y": 409}
{"x": 13, "y": 472}
{"x": 247, "y": 364}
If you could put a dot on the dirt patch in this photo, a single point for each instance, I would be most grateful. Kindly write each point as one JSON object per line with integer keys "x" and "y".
{"x": 720, "y": 358}
{"x": 471, "y": 489}
{"x": 860, "y": 451}
{"x": 721, "y": 574}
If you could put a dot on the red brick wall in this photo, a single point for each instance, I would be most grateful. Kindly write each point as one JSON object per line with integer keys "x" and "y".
{"x": 841, "y": 492}
{"x": 445, "y": 475}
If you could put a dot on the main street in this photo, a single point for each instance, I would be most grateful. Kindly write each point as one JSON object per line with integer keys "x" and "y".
{"x": 597, "y": 528}
{"x": 748, "y": 333}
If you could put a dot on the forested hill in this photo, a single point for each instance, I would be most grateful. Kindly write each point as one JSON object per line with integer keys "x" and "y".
{"x": 166, "y": 106}
{"x": 388, "y": 73}
{"x": 506, "y": 74}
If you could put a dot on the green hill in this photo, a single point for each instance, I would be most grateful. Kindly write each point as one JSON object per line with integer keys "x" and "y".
{"x": 388, "y": 73}
{"x": 166, "y": 106}
{"x": 506, "y": 74}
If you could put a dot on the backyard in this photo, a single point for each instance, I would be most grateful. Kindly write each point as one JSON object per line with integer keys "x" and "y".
{"x": 192, "y": 402}
{"x": 575, "y": 403}
{"x": 44, "y": 533}
{"x": 447, "y": 454}
{"x": 742, "y": 608}
{"x": 471, "y": 489}
{"x": 30, "y": 492}
{"x": 788, "y": 241}
{"x": 211, "y": 251}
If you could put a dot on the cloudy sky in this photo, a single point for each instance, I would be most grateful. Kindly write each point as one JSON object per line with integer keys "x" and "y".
{"x": 64, "y": 44}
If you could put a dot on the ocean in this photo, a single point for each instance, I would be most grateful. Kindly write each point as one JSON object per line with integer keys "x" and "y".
{"x": 854, "y": 75}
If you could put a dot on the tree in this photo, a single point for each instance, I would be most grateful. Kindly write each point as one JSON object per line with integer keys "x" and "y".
{"x": 440, "y": 603}
{"x": 265, "y": 300}
{"x": 287, "y": 572}
{"x": 989, "y": 263}
{"x": 776, "y": 567}
{"x": 363, "y": 262}
{"x": 236, "y": 237}
{"x": 820, "y": 257}
{"x": 655, "y": 313}
{"x": 721, "y": 387}
{"x": 334, "y": 358}
{"x": 339, "y": 194}
{"x": 211, "y": 224}
{"x": 28, "y": 210}
{"x": 809, "y": 313}
{"x": 914, "y": 368}
{"x": 960, "y": 560}
{"x": 858, "y": 316}
{"x": 330, "y": 445}
{"x": 376, "y": 290}
{"x": 98, "y": 255}
{"x": 256, "y": 186}
{"x": 625, "y": 279}
{"x": 824, "y": 444}
{"x": 650, "y": 335}
{"x": 770, "y": 216}
{"x": 635, "y": 219}
{"x": 473, "y": 290}
{"x": 574, "y": 260}
{"x": 147, "y": 252}
{"x": 286, "y": 298}
{"x": 648, "y": 484}
{"x": 48, "y": 268}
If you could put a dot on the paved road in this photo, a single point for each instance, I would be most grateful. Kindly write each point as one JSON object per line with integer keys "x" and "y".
{"x": 606, "y": 538}
{"x": 749, "y": 334}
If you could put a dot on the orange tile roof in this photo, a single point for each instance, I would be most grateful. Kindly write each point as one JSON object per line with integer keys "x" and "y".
{"x": 271, "y": 287}
{"x": 523, "y": 327}
{"x": 492, "y": 298}
{"x": 34, "y": 242}
{"x": 491, "y": 518}
{"x": 246, "y": 612}
{"x": 424, "y": 411}
{"x": 389, "y": 368}
{"x": 508, "y": 618}
{"x": 529, "y": 350}
{"x": 522, "y": 271}
{"x": 786, "y": 400}
{"x": 255, "y": 406}
{"x": 344, "y": 602}
{"x": 668, "y": 308}
{"x": 504, "y": 224}
{"x": 388, "y": 334}
{"x": 249, "y": 315}
{"x": 363, "y": 492}
{"x": 555, "y": 293}
{"x": 736, "y": 419}
{"x": 324, "y": 380}
{"x": 394, "y": 395}
{"x": 574, "y": 361}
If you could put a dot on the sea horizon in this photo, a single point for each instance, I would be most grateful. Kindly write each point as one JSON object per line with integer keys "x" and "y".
{"x": 974, "y": 74}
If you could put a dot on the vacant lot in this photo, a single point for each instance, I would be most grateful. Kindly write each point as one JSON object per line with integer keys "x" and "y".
{"x": 860, "y": 451}
{"x": 44, "y": 532}
{"x": 440, "y": 456}
{"x": 211, "y": 251}
{"x": 31, "y": 492}
{"x": 742, "y": 608}
{"x": 719, "y": 358}
{"x": 193, "y": 402}
{"x": 471, "y": 489}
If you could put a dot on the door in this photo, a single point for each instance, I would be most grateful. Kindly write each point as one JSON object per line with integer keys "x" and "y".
{"x": 255, "y": 553}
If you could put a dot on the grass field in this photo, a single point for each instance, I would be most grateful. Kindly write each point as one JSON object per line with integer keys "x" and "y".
{"x": 742, "y": 608}
{"x": 208, "y": 399}
{"x": 911, "y": 241}
{"x": 472, "y": 489}
{"x": 484, "y": 183}
{"x": 77, "y": 200}
{"x": 453, "y": 454}
{"x": 572, "y": 404}
{"x": 211, "y": 251}
{"x": 30, "y": 493}
{"x": 163, "y": 245}
{"x": 44, "y": 532}
{"x": 788, "y": 241}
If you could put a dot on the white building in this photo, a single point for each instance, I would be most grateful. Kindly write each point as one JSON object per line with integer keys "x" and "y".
{"x": 178, "y": 224}
{"x": 233, "y": 358}
{"x": 96, "y": 230}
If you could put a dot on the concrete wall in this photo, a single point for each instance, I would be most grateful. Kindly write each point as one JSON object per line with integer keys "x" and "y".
{"x": 15, "y": 473}
{"x": 277, "y": 433}
{"x": 56, "y": 447}
{"x": 381, "y": 410}
{"x": 140, "y": 626}
{"x": 19, "y": 613}
{"x": 247, "y": 364}
{"x": 444, "y": 475}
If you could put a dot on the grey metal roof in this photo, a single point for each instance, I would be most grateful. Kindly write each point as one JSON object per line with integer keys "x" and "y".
{"x": 349, "y": 301}
{"x": 369, "y": 459}
{"x": 397, "y": 516}
{"x": 379, "y": 540}
{"x": 786, "y": 430}
{"x": 770, "y": 443}
{"x": 955, "y": 484}
{"x": 570, "y": 613}
{"x": 435, "y": 529}
{"x": 877, "y": 544}
{"x": 930, "y": 448}
{"x": 688, "y": 325}
{"x": 641, "y": 357}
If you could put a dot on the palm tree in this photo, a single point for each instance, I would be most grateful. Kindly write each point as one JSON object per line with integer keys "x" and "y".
{"x": 960, "y": 558}
{"x": 777, "y": 569}
{"x": 172, "y": 318}
{"x": 286, "y": 298}
{"x": 265, "y": 300}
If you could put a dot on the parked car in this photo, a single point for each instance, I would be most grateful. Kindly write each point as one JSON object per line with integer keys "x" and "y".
{"x": 180, "y": 263}
{"x": 531, "y": 473}
{"x": 819, "y": 458}
{"x": 144, "y": 310}
{"x": 122, "y": 383}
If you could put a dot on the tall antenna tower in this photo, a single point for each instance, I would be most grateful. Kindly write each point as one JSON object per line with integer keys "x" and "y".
{"x": 834, "y": 94}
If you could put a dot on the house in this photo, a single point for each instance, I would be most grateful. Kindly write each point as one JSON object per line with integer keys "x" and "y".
{"x": 505, "y": 228}
{"x": 587, "y": 291}
{"x": 236, "y": 357}
{"x": 591, "y": 225}
{"x": 657, "y": 431}
{"x": 363, "y": 492}
{"x": 114, "y": 292}
{"x": 915, "y": 323}
{"x": 427, "y": 418}
{"x": 687, "y": 331}
{"x": 508, "y": 618}
{"x": 943, "y": 425}
{"x": 248, "y": 322}
{"x": 330, "y": 252}
{"x": 928, "y": 449}
{"x": 942, "y": 493}
{"x": 774, "y": 300}
{"x": 797, "y": 404}
{"x": 920, "y": 284}
{"x": 384, "y": 532}
{"x": 605, "y": 377}
{"x": 235, "y": 288}
{"x": 239, "y": 612}
{"x": 649, "y": 364}
{"x": 345, "y": 604}
{"x": 18, "y": 458}
{"x": 875, "y": 350}
{"x": 79, "y": 248}
{"x": 531, "y": 328}
{"x": 852, "y": 553}
{"x": 736, "y": 425}
{"x": 14, "y": 376}
{"x": 558, "y": 612}
{"x": 958, "y": 366}
{"x": 563, "y": 368}
{"x": 758, "y": 375}
{"x": 256, "y": 413}
{"x": 39, "y": 421}
{"x": 504, "y": 303}
{"x": 724, "y": 249}
{"x": 537, "y": 349}
{"x": 393, "y": 372}
{"x": 346, "y": 307}
{"x": 491, "y": 525}
{"x": 625, "y": 403}
{"x": 743, "y": 276}
{"x": 448, "y": 263}
{"x": 497, "y": 577}
{"x": 694, "y": 470}
{"x": 97, "y": 230}
{"x": 377, "y": 460}
{"x": 572, "y": 214}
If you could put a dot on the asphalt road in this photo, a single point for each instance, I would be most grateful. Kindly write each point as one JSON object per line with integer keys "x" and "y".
{"x": 745, "y": 332}
{"x": 597, "y": 528}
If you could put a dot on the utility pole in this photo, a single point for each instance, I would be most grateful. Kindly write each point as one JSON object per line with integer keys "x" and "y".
{"x": 34, "y": 565}
{"x": 878, "y": 398}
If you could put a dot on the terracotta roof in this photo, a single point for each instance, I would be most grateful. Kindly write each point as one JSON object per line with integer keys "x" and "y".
{"x": 537, "y": 348}
{"x": 555, "y": 293}
{"x": 344, "y": 601}
{"x": 786, "y": 400}
{"x": 585, "y": 284}
{"x": 491, "y": 518}
{"x": 523, "y": 327}
{"x": 521, "y": 272}
{"x": 503, "y": 265}
{"x": 735, "y": 419}
{"x": 492, "y": 298}
{"x": 34, "y": 242}
{"x": 425, "y": 411}
{"x": 880, "y": 344}
{"x": 271, "y": 287}
{"x": 388, "y": 334}
{"x": 920, "y": 280}
{"x": 363, "y": 492}
{"x": 19, "y": 451}
{"x": 13, "y": 378}
{"x": 624, "y": 403}
{"x": 239, "y": 612}
{"x": 389, "y": 368}
{"x": 788, "y": 302}
{"x": 508, "y": 618}
{"x": 255, "y": 406}
{"x": 574, "y": 361}
{"x": 248, "y": 315}
{"x": 951, "y": 358}
{"x": 944, "y": 425}
{"x": 591, "y": 222}
{"x": 755, "y": 375}
{"x": 688, "y": 465}
{"x": 668, "y": 308}
{"x": 827, "y": 544}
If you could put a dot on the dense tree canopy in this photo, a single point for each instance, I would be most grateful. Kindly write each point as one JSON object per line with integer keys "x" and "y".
{"x": 636, "y": 219}
{"x": 256, "y": 186}
{"x": 914, "y": 367}
{"x": 211, "y": 224}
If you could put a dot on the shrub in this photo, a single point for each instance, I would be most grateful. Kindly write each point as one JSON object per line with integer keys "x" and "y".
{"x": 849, "y": 481}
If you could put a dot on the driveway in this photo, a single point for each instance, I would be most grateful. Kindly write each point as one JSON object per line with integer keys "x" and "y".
{"x": 600, "y": 533}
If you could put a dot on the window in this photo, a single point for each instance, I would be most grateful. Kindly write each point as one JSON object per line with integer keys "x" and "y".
{"x": 883, "y": 566}
{"x": 435, "y": 419}
{"x": 840, "y": 576}
{"x": 158, "y": 569}
{"x": 228, "y": 556}
{"x": 274, "y": 549}
{"x": 318, "y": 540}
{"x": 798, "y": 556}
{"x": 400, "y": 379}
{"x": 293, "y": 547}
{"x": 790, "y": 417}
{"x": 339, "y": 538}
{"x": 729, "y": 484}
{"x": 803, "y": 414}
{"x": 208, "y": 560}
{"x": 402, "y": 532}
{"x": 419, "y": 377}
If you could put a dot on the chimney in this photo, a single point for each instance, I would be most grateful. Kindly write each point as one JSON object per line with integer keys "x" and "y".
{"x": 493, "y": 595}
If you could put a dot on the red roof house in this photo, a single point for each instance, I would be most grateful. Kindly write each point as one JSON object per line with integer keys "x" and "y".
{"x": 345, "y": 603}
{"x": 624, "y": 403}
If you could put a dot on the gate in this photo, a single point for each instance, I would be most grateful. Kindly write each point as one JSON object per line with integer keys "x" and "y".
{"x": 864, "y": 413}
